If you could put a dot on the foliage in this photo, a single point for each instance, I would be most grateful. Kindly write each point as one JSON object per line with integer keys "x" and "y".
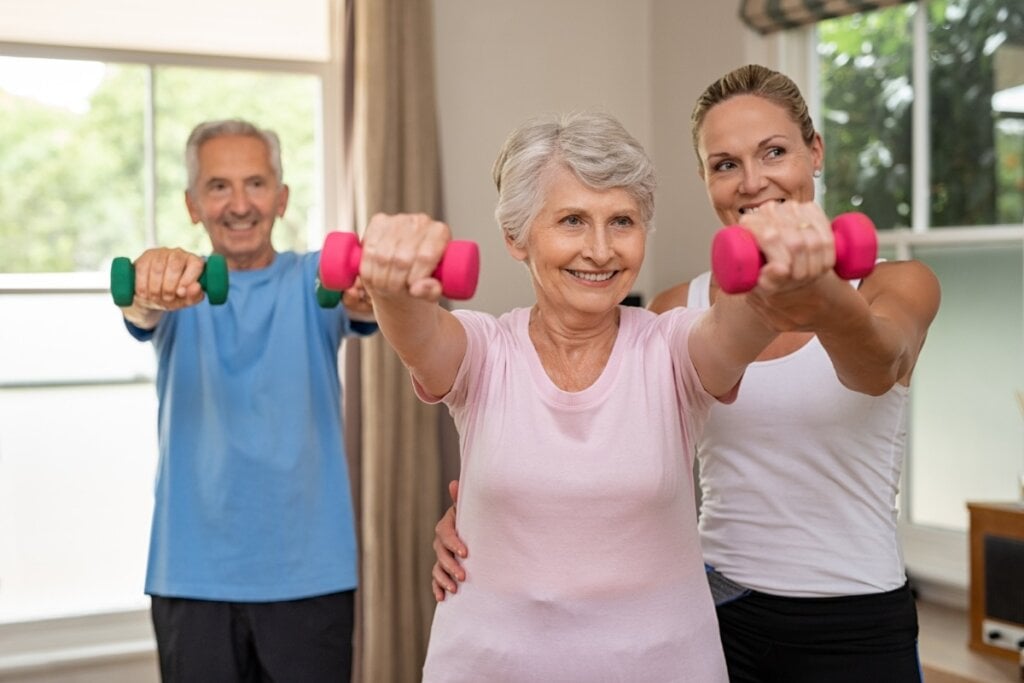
{"x": 286, "y": 104}
{"x": 866, "y": 67}
{"x": 73, "y": 182}
{"x": 865, "y": 75}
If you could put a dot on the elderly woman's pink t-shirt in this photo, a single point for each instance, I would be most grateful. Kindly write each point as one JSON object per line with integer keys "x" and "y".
{"x": 578, "y": 511}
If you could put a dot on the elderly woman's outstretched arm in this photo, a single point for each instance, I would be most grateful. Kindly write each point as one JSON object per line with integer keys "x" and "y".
{"x": 400, "y": 254}
{"x": 798, "y": 247}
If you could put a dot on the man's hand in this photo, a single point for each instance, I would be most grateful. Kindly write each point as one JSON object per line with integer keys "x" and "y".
{"x": 357, "y": 303}
{"x": 165, "y": 280}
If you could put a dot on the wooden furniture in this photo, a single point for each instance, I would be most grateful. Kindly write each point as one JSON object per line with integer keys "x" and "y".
{"x": 997, "y": 579}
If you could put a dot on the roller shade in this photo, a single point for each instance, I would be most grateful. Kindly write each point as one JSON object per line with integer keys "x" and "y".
{"x": 293, "y": 30}
{"x": 769, "y": 16}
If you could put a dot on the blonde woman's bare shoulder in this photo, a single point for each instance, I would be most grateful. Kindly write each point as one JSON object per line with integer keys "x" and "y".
{"x": 673, "y": 297}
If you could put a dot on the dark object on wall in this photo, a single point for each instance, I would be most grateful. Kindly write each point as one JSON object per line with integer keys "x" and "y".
{"x": 633, "y": 299}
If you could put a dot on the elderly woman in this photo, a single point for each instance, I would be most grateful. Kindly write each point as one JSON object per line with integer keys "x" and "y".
{"x": 577, "y": 416}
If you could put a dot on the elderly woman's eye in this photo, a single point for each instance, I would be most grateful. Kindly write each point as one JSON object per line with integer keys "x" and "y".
{"x": 572, "y": 219}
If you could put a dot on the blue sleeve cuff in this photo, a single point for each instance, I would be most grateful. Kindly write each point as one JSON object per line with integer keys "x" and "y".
{"x": 138, "y": 332}
{"x": 362, "y": 329}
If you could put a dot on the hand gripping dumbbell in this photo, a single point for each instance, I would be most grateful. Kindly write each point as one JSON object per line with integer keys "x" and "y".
{"x": 736, "y": 259}
{"x": 214, "y": 280}
{"x": 458, "y": 270}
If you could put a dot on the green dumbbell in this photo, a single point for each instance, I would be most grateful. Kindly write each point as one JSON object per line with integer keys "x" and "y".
{"x": 214, "y": 280}
{"x": 327, "y": 298}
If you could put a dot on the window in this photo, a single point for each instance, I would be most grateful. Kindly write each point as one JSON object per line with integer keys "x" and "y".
{"x": 922, "y": 111}
{"x": 974, "y": 89}
{"x": 91, "y": 167}
{"x": 81, "y": 164}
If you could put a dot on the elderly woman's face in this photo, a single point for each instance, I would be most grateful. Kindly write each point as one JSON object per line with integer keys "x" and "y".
{"x": 752, "y": 152}
{"x": 585, "y": 247}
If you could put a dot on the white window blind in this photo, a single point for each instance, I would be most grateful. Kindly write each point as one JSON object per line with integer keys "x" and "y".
{"x": 267, "y": 29}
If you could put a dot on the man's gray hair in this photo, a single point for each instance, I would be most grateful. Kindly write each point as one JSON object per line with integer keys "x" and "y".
{"x": 592, "y": 145}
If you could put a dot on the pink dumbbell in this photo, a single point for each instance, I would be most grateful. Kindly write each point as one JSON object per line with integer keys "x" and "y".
{"x": 736, "y": 260}
{"x": 458, "y": 270}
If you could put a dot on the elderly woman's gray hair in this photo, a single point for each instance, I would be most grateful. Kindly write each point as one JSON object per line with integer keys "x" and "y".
{"x": 593, "y": 145}
{"x": 208, "y": 130}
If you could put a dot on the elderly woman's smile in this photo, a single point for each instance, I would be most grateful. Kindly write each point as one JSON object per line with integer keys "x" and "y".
{"x": 585, "y": 246}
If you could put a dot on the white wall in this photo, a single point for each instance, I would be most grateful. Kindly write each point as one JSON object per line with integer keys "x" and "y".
{"x": 690, "y": 52}
{"x": 499, "y": 63}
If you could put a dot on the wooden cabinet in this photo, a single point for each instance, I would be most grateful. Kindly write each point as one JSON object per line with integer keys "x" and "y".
{"x": 997, "y": 578}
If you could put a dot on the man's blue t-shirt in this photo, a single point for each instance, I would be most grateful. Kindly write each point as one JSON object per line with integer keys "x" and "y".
{"x": 252, "y": 491}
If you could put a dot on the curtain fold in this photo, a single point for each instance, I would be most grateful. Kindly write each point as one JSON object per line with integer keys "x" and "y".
{"x": 769, "y": 16}
{"x": 396, "y": 168}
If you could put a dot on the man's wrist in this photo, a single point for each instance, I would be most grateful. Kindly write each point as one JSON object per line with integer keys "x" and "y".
{"x": 142, "y": 318}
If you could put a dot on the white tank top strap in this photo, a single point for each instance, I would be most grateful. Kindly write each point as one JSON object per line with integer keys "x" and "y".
{"x": 699, "y": 294}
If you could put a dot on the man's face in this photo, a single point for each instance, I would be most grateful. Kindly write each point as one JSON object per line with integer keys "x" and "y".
{"x": 237, "y": 199}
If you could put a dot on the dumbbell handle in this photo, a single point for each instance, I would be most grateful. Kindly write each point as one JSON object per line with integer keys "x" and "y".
{"x": 458, "y": 271}
{"x": 736, "y": 259}
{"x": 213, "y": 280}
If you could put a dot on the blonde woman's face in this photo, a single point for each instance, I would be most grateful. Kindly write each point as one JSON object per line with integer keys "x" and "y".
{"x": 752, "y": 152}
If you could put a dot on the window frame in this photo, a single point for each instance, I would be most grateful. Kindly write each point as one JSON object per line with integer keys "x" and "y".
{"x": 329, "y": 132}
{"x": 936, "y": 558}
{"x": 120, "y": 636}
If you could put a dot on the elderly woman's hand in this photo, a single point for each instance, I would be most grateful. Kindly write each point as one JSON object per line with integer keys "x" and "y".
{"x": 797, "y": 242}
{"x": 400, "y": 254}
{"x": 797, "y": 286}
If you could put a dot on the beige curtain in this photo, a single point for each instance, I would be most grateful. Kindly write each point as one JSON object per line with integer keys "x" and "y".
{"x": 395, "y": 168}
